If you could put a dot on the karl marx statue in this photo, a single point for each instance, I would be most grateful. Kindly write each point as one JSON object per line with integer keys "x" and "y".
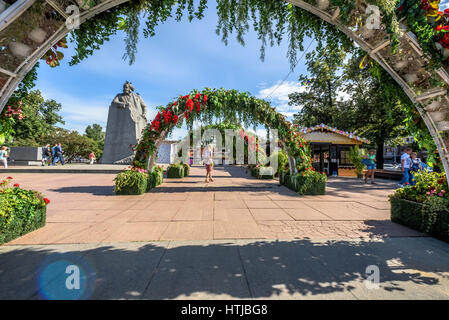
{"x": 126, "y": 121}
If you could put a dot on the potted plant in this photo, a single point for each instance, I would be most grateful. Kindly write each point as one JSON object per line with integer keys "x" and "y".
{"x": 356, "y": 159}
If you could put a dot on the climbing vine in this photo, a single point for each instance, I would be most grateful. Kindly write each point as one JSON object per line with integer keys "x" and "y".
{"x": 228, "y": 106}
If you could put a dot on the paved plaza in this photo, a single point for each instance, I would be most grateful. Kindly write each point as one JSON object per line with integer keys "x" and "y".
{"x": 84, "y": 209}
{"x": 235, "y": 238}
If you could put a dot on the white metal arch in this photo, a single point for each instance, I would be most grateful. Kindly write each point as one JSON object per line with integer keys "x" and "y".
{"x": 407, "y": 69}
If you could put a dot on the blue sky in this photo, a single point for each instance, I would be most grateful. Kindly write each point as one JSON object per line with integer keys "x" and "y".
{"x": 181, "y": 57}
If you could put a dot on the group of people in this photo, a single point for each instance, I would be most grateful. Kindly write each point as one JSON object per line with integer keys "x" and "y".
{"x": 410, "y": 164}
{"x": 52, "y": 155}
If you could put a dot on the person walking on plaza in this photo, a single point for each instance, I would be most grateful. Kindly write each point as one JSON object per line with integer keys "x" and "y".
{"x": 207, "y": 158}
{"x": 4, "y": 156}
{"x": 415, "y": 167}
{"x": 54, "y": 154}
{"x": 405, "y": 167}
{"x": 46, "y": 155}
{"x": 371, "y": 165}
{"x": 60, "y": 153}
{"x": 92, "y": 157}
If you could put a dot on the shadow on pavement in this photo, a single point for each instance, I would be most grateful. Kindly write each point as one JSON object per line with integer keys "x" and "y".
{"x": 408, "y": 268}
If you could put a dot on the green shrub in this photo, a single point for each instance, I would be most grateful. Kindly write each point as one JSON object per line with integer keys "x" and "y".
{"x": 186, "y": 169}
{"x": 282, "y": 161}
{"x": 21, "y": 211}
{"x": 175, "y": 171}
{"x": 428, "y": 184}
{"x": 308, "y": 182}
{"x": 131, "y": 182}
{"x": 155, "y": 178}
{"x": 356, "y": 159}
{"x": 432, "y": 216}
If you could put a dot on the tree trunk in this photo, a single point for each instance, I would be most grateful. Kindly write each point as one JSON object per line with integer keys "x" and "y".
{"x": 380, "y": 155}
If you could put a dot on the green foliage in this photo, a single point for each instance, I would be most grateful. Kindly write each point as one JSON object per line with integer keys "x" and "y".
{"x": 95, "y": 132}
{"x": 40, "y": 118}
{"x": 308, "y": 182}
{"x": 175, "y": 171}
{"x": 224, "y": 106}
{"x": 74, "y": 145}
{"x": 428, "y": 184}
{"x": 21, "y": 211}
{"x": 131, "y": 182}
{"x": 282, "y": 161}
{"x": 186, "y": 169}
{"x": 356, "y": 159}
{"x": 432, "y": 216}
{"x": 155, "y": 178}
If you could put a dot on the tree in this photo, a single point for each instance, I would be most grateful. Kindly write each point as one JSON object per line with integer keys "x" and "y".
{"x": 377, "y": 102}
{"x": 40, "y": 118}
{"x": 74, "y": 145}
{"x": 320, "y": 101}
{"x": 95, "y": 132}
{"x": 377, "y": 106}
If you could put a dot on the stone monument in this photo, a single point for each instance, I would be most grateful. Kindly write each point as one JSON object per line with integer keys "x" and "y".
{"x": 126, "y": 121}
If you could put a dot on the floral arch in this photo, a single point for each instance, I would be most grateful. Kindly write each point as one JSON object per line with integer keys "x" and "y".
{"x": 405, "y": 42}
{"x": 227, "y": 106}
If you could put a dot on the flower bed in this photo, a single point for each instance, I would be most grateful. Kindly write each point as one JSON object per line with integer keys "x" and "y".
{"x": 175, "y": 171}
{"x": 424, "y": 206}
{"x": 131, "y": 182}
{"x": 21, "y": 211}
{"x": 307, "y": 182}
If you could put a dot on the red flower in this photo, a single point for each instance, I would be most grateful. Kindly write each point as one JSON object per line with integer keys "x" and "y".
{"x": 198, "y": 108}
{"x": 189, "y": 105}
{"x": 16, "y": 185}
{"x": 175, "y": 103}
{"x": 205, "y": 98}
{"x": 187, "y": 115}
{"x": 175, "y": 119}
{"x": 9, "y": 178}
{"x": 46, "y": 200}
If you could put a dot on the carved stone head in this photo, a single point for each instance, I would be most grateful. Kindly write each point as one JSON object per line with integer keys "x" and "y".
{"x": 128, "y": 88}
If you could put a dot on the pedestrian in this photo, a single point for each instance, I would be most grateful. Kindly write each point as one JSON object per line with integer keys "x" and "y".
{"x": 405, "y": 167}
{"x": 415, "y": 167}
{"x": 4, "y": 156}
{"x": 60, "y": 153}
{"x": 92, "y": 158}
{"x": 370, "y": 165}
{"x": 54, "y": 154}
{"x": 46, "y": 155}
{"x": 207, "y": 158}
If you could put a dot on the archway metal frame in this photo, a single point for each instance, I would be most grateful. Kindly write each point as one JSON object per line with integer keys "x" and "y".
{"x": 431, "y": 102}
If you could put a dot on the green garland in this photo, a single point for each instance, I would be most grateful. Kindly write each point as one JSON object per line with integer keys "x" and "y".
{"x": 225, "y": 106}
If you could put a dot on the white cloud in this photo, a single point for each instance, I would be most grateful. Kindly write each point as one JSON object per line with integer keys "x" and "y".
{"x": 278, "y": 93}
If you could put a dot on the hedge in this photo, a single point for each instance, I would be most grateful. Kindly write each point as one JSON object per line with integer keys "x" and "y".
{"x": 155, "y": 178}
{"x": 304, "y": 185}
{"x": 131, "y": 182}
{"x": 22, "y": 224}
{"x": 186, "y": 169}
{"x": 175, "y": 171}
{"x": 21, "y": 211}
{"x": 413, "y": 215}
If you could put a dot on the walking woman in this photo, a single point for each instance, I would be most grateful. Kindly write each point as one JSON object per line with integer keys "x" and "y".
{"x": 371, "y": 165}
{"x": 4, "y": 156}
{"x": 207, "y": 158}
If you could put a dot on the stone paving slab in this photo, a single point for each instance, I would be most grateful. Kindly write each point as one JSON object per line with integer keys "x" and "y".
{"x": 84, "y": 209}
{"x": 409, "y": 268}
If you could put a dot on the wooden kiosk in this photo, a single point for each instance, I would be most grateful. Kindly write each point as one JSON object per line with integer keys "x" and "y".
{"x": 331, "y": 149}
